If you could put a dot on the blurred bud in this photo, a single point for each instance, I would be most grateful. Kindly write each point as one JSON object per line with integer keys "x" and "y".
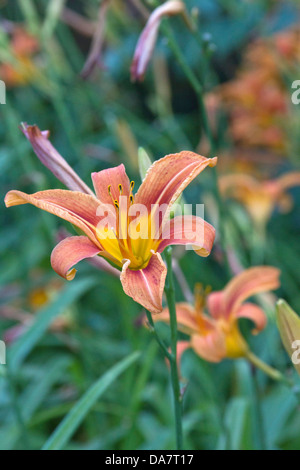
{"x": 289, "y": 327}
{"x": 51, "y": 159}
{"x": 147, "y": 40}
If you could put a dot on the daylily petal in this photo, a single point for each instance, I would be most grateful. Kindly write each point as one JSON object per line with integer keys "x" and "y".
{"x": 188, "y": 230}
{"x": 211, "y": 347}
{"x": 146, "y": 286}
{"x": 69, "y": 252}
{"x": 168, "y": 177}
{"x": 288, "y": 180}
{"x": 254, "y": 313}
{"x": 215, "y": 304}
{"x": 112, "y": 177}
{"x": 186, "y": 318}
{"x": 250, "y": 282}
{"x": 147, "y": 40}
{"x": 237, "y": 184}
{"x": 53, "y": 160}
{"x": 75, "y": 207}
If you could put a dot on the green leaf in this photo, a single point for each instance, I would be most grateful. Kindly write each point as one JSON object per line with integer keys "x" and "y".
{"x": 144, "y": 162}
{"x": 69, "y": 425}
{"x": 22, "y": 347}
{"x": 29, "y": 11}
{"x": 54, "y": 9}
{"x": 38, "y": 390}
{"x": 32, "y": 398}
{"x": 238, "y": 424}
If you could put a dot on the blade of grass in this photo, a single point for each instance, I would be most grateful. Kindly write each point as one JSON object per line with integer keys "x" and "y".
{"x": 22, "y": 347}
{"x": 38, "y": 390}
{"x": 29, "y": 11}
{"x": 68, "y": 426}
{"x": 54, "y": 9}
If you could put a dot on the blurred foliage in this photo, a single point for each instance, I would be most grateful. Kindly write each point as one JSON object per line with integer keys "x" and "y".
{"x": 101, "y": 122}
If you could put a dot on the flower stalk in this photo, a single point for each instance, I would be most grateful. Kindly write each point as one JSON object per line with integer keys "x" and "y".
{"x": 177, "y": 396}
{"x": 268, "y": 370}
{"x": 152, "y": 330}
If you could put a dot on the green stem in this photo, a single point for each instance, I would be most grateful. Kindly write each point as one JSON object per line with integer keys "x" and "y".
{"x": 259, "y": 417}
{"x": 273, "y": 373}
{"x": 154, "y": 332}
{"x": 170, "y": 294}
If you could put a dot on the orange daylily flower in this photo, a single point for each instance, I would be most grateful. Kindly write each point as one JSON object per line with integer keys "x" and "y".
{"x": 216, "y": 336}
{"x": 138, "y": 257}
{"x": 260, "y": 197}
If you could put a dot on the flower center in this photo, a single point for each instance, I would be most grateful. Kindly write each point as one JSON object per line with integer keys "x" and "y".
{"x": 129, "y": 235}
{"x": 236, "y": 346}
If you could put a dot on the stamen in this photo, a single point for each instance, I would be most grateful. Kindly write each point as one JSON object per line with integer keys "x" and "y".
{"x": 131, "y": 185}
{"x": 120, "y": 189}
{"x": 199, "y": 297}
{"x": 201, "y": 294}
{"x": 115, "y": 202}
{"x": 207, "y": 291}
{"x": 131, "y": 198}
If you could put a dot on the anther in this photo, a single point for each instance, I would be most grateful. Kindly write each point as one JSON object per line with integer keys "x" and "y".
{"x": 131, "y": 198}
{"x": 199, "y": 296}
{"x": 109, "y": 189}
{"x": 120, "y": 189}
{"x": 116, "y": 204}
{"x": 132, "y": 185}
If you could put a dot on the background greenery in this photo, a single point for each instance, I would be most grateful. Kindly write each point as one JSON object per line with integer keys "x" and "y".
{"x": 95, "y": 124}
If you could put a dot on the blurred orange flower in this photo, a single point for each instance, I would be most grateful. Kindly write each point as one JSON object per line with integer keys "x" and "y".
{"x": 23, "y": 47}
{"x": 217, "y": 336}
{"x": 22, "y": 311}
{"x": 260, "y": 197}
{"x": 258, "y": 100}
